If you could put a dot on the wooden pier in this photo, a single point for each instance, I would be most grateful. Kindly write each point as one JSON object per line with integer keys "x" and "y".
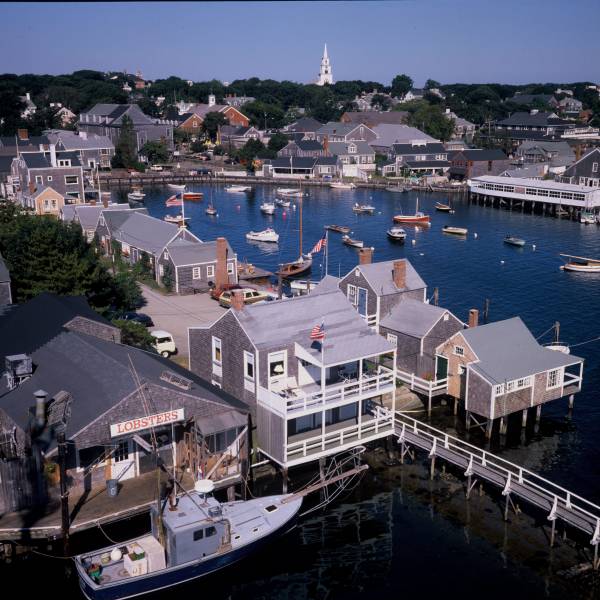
{"x": 515, "y": 481}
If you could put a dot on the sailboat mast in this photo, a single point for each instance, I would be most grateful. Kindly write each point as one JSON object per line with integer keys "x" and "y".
{"x": 300, "y": 215}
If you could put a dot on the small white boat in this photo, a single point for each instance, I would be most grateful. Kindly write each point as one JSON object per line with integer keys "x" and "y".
{"x": 346, "y": 239}
{"x": 341, "y": 185}
{"x": 136, "y": 196}
{"x": 396, "y": 233}
{"x": 211, "y": 210}
{"x": 588, "y": 218}
{"x": 302, "y": 286}
{"x": 238, "y": 189}
{"x": 267, "y": 235}
{"x": 290, "y": 192}
{"x": 579, "y": 264}
{"x": 268, "y": 208}
{"x": 512, "y": 240}
{"x": 283, "y": 203}
{"x": 366, "y": 209}
{"x": 176, "y": 187}
{"x": 176, "y": 219}
{"x": 455, "y": 230}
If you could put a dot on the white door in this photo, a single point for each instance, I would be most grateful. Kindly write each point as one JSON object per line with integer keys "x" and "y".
{"x": 123, "y": 466}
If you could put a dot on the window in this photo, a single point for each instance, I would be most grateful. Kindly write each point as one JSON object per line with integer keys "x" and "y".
{"x": 210, "y": 531}
{"x": 196, "y": 273}
{"x": 49, "y": 178}
{"x": 104, "y": 151}
{"x": 523, "y": 383}
{"x": 459, "y": 351}
{"x": 446, "y": 317}
{"x": 249, "y": 366}
{"x": 122, "y": 451}
{"x": 554, "y": 379}
{"x": 277, "y": 366}
{"x": 594, "y": 167}
{"x": 510, "y": 386}
{"x": 64, "y": 162}
{"x": 230, "y": 268}
{"x": 352, "y": 294}
{"x": 102, "y": 221}
{"x": 71, "y": 179}
{"x": 166, "y": 255}
{"x": 39, "y": 179}
{"x": 499, "y": 389}
{"x": 393, "y": 339}
{"x": 216, "y": 349}
{"x": 198, "y": 535}
{"x": 210, "y": 271}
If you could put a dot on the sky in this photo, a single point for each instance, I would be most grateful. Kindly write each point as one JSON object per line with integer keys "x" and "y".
{"x": 451, "y": 41}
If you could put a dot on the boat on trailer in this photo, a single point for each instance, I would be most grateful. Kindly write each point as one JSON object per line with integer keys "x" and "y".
{"x": 189, "y": 538}
{"x": 580, "y": 264}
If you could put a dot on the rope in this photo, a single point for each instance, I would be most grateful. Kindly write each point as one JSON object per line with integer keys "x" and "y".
{"x": 545, "y": 332}
{"x": 586, "y": 342}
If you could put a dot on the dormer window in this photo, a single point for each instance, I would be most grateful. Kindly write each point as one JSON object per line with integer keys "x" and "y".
{"x": 352, "y": 149}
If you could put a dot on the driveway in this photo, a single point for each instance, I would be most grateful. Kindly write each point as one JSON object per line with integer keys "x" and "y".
{"x": 176, "y": 313}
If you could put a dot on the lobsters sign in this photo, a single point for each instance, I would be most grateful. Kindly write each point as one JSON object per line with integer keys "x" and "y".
{"x": 135, "y": 425}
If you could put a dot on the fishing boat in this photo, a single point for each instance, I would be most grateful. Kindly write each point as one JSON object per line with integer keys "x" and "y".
{"x": 192, "y": 195}
{"x": 189, "y": 538}
{"x": 290, "y": 192}
{"x": 211, "y": 210}
{"x": 418, "y": 217}
{"x": 178, "y": 219}
{"x": 283, "y": 203}
{"x": 136, "y": 194}
{"x": 455, "y": 230}
{"x": 443, "y": 207}
{"x": 338, "y": 228}
{"x": 267, "y": 235}
{"x": 556, "y": 344}
{"x": 341, "y": 185}
{"x": 588, "y": 218}
{"x": 346, "y": 239}
{"x": 580, "y": 264}
{"x": 363, "y": 209}
{"x": 268, "y": 208}
{"x": 396, "y": 234}
{"x": 512, "y": 240}
{"x": 176, "y": 187}
{"x": 238, "y": 189}
{"x": 303, "y": 263}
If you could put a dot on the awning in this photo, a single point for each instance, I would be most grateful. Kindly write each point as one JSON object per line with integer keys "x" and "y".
{"x": 221, "y": 422}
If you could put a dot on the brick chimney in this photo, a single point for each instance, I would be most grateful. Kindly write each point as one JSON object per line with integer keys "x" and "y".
{"x": 104, "y": 198}
{"x": 473, "y": 317}
{"x": 400, "y": 274}
{"x": 23, "y": 134}
{"x": 365, "y": 256}
{"x": 221, "y": 276}
{"x": 237, "y": 300}
{"x": 326, "y": 145}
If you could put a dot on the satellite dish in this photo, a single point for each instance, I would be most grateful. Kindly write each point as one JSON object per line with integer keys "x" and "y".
{"x": 204, "y": 486}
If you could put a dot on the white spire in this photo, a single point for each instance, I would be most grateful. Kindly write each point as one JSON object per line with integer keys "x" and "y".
{"x": 325, "y": 73}
{"x": 325, "y": 57}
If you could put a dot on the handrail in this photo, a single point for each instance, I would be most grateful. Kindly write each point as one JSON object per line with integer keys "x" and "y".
{"x": 416, "y": 381}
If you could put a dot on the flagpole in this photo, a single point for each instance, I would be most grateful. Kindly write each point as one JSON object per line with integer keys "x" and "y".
{"x": 326, "y": 251}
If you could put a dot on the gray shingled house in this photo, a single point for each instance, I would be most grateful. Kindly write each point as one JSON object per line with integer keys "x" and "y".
{"x": 311, "y": 148}
{"x": 586, "y": 171}
{"x": 5, "y": 293}
{"x": 95, "y": 151}
{"x": 308, "y": 398}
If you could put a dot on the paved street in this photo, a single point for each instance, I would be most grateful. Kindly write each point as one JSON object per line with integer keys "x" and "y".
{"x": 176, "y": 313}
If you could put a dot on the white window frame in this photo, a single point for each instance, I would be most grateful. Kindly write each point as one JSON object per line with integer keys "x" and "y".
{"x": 458, "y": 351}
{"x": 276, "y": 357}
{"x": 39, "y": 179}
{"x": 499, "y": 389}
{"x": 210, "y": 271}
{"x": 594, "y": 167}
{"x": 559, "y": 373}
{"x": 196, "y": 273}
{"x": 249, "y": 360}
{"x": 230, "y": 268}
{"x": 217, "y": 345}
{"x": 392, "y": 338}
{"x": 166, "y": 255}
{"x": 510, "y": 386}
{"x": 76, "y": 182}
{"x": 49, "y": 178}
{"x": 352, "y": 294}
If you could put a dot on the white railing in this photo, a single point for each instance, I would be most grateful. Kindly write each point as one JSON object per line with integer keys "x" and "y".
{"x": 370, "y": 320}
{"x": 423, "y": 385}
{"x": 381, "y": 425}
{"x": 380, "y": 383}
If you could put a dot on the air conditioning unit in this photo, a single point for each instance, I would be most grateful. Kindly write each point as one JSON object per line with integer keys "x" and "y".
{"x": 18, "y": 368}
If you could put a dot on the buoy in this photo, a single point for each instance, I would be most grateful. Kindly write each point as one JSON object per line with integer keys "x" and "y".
{"x": 501, "y": 262}
{"x": 533, "y": 247}
{"x": 421, "y": 254}
{"x": 475, "y": 235}
{"x": 414, "y": 242}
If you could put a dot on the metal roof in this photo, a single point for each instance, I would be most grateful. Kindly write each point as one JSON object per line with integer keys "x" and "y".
{"x": 536, "y": 184}
{"x": 430, "y": 147}
{"x": 389, "y": 134}
{"x": 341, "y": 148}
{"x": 412, "y": 317}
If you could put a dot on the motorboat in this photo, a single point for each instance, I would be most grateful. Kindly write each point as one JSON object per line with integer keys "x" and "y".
{"x": 365, "y": 209}
{"x": 338, "y": 228}
{"x": 283, "y": 203}
{"x": 238, "y": 189}
{"x": 136, "y": 196}
{"x": 302, "y": 286}
{"x": 189, "y": 538}
{"x": 211, "y": 210}
{"x": 455, "y": 230}
{"x": 514, "y": 241}
{"x": 176, "y": 187}
{"x": 417, "y": 218}
{"x": 268, "y": 208}
{"x": 396, "y": 234}
{"x": 192, "y": 195}
{"x": 579, "y": 264}
{"x": 440, "y": 206}
{"x": 346, "y": 239}
{"x": 178, "y": 219}
{"x": 341, "y": 185}
{"x": 556, "y": 344}
{"x": 290, "y": 192}
{"x": 267, "y": 235}
{"x": 588, "y": 218}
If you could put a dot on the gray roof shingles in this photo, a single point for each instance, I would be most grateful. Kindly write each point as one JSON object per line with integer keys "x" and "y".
{"x": 412, "y": 317}
{"x": 380, "y": 277}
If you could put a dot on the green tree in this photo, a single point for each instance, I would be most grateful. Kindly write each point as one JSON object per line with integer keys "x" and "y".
{"x": 251, "y": 150}
{"x": 125, "y": 150}
{"x": 264, "y": 115}
{"x": 156, "y": 151}
{"x": 167, "y": 278}
{"x": 400, "y": 85}
{"x": 277, "y": 142}
{"x": 430, "y": 119}
{"x": 381, "y": 102}
{"x": 212, "y": 121}
{"x": 432, "y": 84}
{"x": 135, "y": 334}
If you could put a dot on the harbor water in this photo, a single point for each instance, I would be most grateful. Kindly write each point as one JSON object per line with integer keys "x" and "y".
{"x": 397, "y": 532}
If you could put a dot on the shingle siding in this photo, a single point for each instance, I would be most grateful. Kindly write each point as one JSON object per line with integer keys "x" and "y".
{"x": 5, "y": 295}
{"x": 479, "y": 394}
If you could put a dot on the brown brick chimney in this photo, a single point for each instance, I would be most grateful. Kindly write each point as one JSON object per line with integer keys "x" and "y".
{"x": 221, "y": 276}
{"x": 23, "y": 134}
{"x": 473, "y": 317}
{"x": 105, "y": 197}
{"x": 326, "y": 145}
{"x": 237, "y": 299}
{"x": 365, "y": 256}
{"x": 400, "y": 274}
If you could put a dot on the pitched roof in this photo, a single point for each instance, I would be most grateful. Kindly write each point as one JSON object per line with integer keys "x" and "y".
{"x": 72, "y": 141}
{"x": 530, "y": 98}
{"x": 389, "y": 134}
{"x": 375, "y": 117}
{"x": 430, "y": 147}
{"x": 583, "y": 167}
{"x": 88, "y": 214}
{"x": 305, "y": 124}
{"x": 139, "y": 230}
{"x": 341, "y": 148}
{"x": 309, "y": 145}
{"x": 476, "y": 154}
{"x": 380, "y": 277}
{"x": 186, "y": 252}
{"x": 337, "y": 128}
{"x": 297, "y": 162}
{"x": 537, "y": 119}
{"x": 507, "y": 350}
{"x": 413, "y": 317}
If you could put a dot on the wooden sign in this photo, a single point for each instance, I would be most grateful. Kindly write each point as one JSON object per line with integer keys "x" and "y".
{"x": 135, "y": 425}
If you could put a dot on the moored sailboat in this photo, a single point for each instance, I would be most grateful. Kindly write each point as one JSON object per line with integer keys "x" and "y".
{"x": 418, "y": 217}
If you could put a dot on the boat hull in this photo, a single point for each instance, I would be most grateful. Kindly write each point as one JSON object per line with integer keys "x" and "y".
{"x": 517, "y": 243}
{"x": 409, "y": 219}
{"x": 581, "y": 268}
{"x": 295, "y": 269}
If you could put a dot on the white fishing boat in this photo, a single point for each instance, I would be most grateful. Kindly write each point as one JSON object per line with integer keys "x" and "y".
{"x": 267, "y": 235}
{"x": 290, "y": 192}
{"x": 211, "y": 210}
{"x": 178, "y": 219}
{"x": 136, "y": 196}
{"x": 238, "y": 189}
{"x": 283, "y": 203}
{"x": 341, "y": 185}
{"x": 176, "y": 187}
{"x": 455, "y": 230}
{"x": 396, "y": 233}
{"x": 268, "y": 208}
{"x": 588, "y": 218}
{"x": 302, "y": 286}
{"x": 365, "y": 209}
{"x": 346, "y": 239}
{"x": 579, "y": 264}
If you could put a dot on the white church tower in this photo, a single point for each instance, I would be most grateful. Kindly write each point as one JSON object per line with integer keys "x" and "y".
{"x": 325, "y": 75}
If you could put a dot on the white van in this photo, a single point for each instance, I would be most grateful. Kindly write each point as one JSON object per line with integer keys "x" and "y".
{"x": 164, "y": 342}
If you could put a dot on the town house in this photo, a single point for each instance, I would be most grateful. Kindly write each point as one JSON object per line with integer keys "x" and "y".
{"x": 585, "y": 171}
{"x": 302, "y": 167}
{"x": 418, "y": 158}
{"x": 469, "y": 163}
{"x": 231, "y": 113}
{"x": 354, "y": 156}
{"x": 95, "y": 151}
{"x": 311, "y": 148}
{"x": 344, "y": 132}
{"x": 309, "y": 398}
{"x": 236, "y": 136}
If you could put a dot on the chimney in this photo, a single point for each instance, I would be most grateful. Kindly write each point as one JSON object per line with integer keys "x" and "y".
{"x": 221, "y": 276}
{"x": 473, "y": 317}
{"x": 400, "y": 274}
{"x": 365, "y": 256}
{"x": 23, "y": 134}
{"x": 326, "y": 145}
{"x": 40, "y": 408}
{"x": 83, "y": 135}
{"x": 105, "y": 198}
{"x": 237, "y": 300}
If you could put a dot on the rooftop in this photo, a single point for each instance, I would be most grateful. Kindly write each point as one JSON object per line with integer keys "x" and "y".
{"x": 413, "y": 317}
{"x": 380, "y": 277}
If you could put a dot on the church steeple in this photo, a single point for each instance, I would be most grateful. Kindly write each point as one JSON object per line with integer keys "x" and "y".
{"x": 325, "y": 74}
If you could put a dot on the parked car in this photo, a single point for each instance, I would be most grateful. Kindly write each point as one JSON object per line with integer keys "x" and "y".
{"x": 156, "y": 168}
{"x": 164, "y": 343}
{"x": 142, "y": 318}
{"x": 215, "y": 292}
{"x": 250, "y": 296}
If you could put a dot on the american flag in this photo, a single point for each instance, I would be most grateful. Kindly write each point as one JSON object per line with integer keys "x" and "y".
{"x": 318, "y": 332}
{"x": 319, "y": 245}
{"x": 174, "y": 201}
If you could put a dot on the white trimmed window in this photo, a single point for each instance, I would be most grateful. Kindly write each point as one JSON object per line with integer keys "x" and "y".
{"x": 49, "y": 178}
{"x": 499, "y": 389}
{"x": 71, "y": 179}
{"x": 554, "y": 379}
{"x": 230, "y": 268}
{"x": 510, "y": 386}
{"x": 64, "y": 162}
{"x": 594, "y": 167}
{"x": 352, "y": 294}
{"x": 393, "y": 339}
{"x": 166, "y": 255}
{"x": 216, "y": 350}
{"x": 277, "y": 366}
{"x": 524, "y": 382}
{"x": 210, "y": 271}
{"x": 248, "y": 366}
{"x": 459, "y": 351}
{"x": 196, "y": 273}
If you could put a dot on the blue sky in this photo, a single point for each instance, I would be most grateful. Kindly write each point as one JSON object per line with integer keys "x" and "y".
{"x": 469, "y": 41}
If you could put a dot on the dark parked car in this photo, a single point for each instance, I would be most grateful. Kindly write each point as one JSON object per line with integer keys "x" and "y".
{"x": 138, "y": 318}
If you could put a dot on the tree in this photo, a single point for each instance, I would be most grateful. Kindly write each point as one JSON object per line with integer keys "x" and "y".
{"x": 212, "y": 121}
{"x": 400, "y": 85}
{"x": 277, "y": 142}
{"x": 251, "y": 150}
{"x": 430, "y": 119}
{"x": 125, "y": 150}
{"x": 264, "y": 115}
{"x": 167, "y": 278}
{"x": 156, "y": 151}
{"x": 135, "y": 334}
{"x": 381, "y": 102}
{"x": 432, "y": 84}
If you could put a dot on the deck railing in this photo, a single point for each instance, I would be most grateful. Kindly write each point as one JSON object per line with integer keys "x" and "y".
{"x": 427, "y": 386}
